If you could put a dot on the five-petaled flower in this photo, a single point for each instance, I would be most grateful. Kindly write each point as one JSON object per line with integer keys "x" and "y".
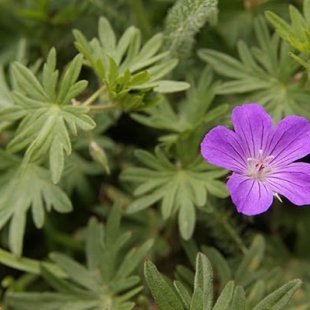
{"x": 262, "y": 158}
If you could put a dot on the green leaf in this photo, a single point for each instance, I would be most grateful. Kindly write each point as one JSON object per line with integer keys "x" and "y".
{"x": 139, "y": 78}
{"x": 187, "y": 219}
{"x": 143, "y": 203}
{"x": 301, "y": 61}
{"x": 204, "y": 280}
{"x": 27, "y": 264}
{"x": 257, "y": 293}
{"x": 220, "y": 264}
{"x": 124, "y": 42}
{"x": 170, "y": 86}
{"x": 162, "y": 69}
{"x": 68, "y": 80}
{"x": 94, "y": 243}
{"x": 306, "y": 10}
{"x": 279, "y": 298}
{"x": 298, "y": 22}
{"x": 224, "y": 300}
{"x": 263, "y": 75}
{"x": 183, "y": 294}
{"x": 151, "y": 47}
{"x": 77, "y": 272}
{"x": 175, "y": 187}
{"x": 28, "y": 188}
{"x": 251, "y": 260}
{"x": 165, "y": 297}
{"x": 223, "y": 64}
{"x": 197, "y": 299}
{"x": 6, "y": 99}
{"x": 239, "y": 299}
{"x": 50, "y": 75}
{"x": 27, "y": 83}
{"x": 16, "y": 233}
{"x": 45, "y": 119}
{"x": 132, "y": 260}
{"x": 106, "y": 35}
{"x": 282, "y": 27}
{"x": 60, "y": 284}
{"x": 57, "y": 198}
{"x": 56, "y": 160}
{"x": 113, "y": 223}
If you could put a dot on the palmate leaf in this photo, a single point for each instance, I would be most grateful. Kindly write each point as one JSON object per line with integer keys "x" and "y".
{"x": 45, "y": 113}
{"x": 179, "y": 189}
{"x": 23, "y": 188}
{"x": 190, "y": 113}
{"x": 130, "y": 72}
{"x": 297, "y": 34}
{"x": 201, "y": 297}
{"x": 108, "y": 282}
{"x": 265, "y": 75}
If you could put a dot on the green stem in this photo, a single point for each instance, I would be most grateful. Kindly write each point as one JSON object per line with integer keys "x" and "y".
{"x": 94, "y": 96}
{"x": 102, "y": 107}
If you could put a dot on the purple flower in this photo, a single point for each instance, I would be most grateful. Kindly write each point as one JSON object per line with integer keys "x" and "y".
{"x": 262, "y": 158}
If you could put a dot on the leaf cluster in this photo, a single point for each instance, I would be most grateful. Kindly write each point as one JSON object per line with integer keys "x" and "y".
{"x": 298, "y": 33}
{"x": 264, "y": 74}
{"x": 130, "y": 73}
{"x": 201, "y": 296}
{"x": 180, "y": 189}
{"x": 107, "y": 281}
{"x": 23, "y": 188}
{"x": 45, "y": 113}
{"x": 192, "y": 113}
{"x": 60, "y": 147}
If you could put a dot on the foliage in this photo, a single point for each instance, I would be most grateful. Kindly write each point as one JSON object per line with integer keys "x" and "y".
{"x": 297, "y": 34}
{"x": 201, "y": 296}
{"x": 45, "y": 113}
{"x": 192, "y": 112}
{"x": 184, "y": 20}
{"x": 34, "y": 190}
{"x": 129, "y": 73}
{"x": 179, "y": 188}
{"x": 103, "y": 106}
{"x": 109, "y": 272}
{"x": 264, "y": 74}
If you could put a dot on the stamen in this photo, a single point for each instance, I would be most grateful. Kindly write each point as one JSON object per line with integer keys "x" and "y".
{"x": 277, "y": 196}
{"x": 259, "y": 167}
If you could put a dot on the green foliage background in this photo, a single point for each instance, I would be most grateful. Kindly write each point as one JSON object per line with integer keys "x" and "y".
{"x": 105, "y": 200}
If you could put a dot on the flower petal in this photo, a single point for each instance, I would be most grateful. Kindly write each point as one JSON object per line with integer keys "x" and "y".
{"x": 290, "y": 141}
{"x": 250, "y": 196}
{"x": 221, "y": 147}
{"x": 293, "y": 182}
{"x": 254, "y": 126}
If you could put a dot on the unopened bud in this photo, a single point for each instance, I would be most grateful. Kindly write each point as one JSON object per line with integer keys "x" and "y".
{"x": 99, "y": 156}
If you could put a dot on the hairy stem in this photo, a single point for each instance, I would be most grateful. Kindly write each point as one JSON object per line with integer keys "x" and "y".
{"x": 109, "y": 106}
{"x": 94, "y": 96}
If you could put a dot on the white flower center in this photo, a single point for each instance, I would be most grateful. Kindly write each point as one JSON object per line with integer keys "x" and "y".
{"x": 259, "y": 168}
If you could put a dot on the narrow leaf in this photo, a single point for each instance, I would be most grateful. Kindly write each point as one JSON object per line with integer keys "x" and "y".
{"x": 106, "y": 35}
{"x": 164, "y": 295}
{"x": 280, "y": 298}
{"x": 204, "y": 280}
{"x": 224, "y": 300}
